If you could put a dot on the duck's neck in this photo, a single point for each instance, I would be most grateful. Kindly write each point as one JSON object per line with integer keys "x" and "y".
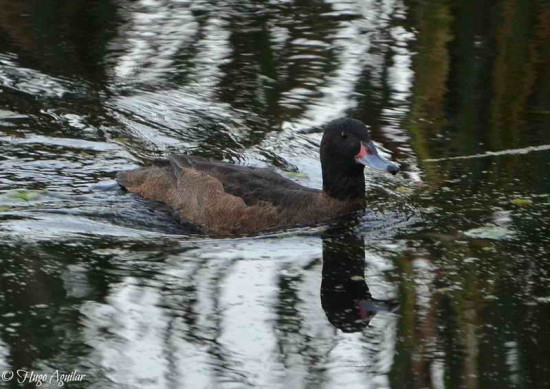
{"x": 344, "y": 183}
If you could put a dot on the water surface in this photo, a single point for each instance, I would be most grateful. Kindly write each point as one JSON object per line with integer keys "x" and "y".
{"x": 102, "y": 282}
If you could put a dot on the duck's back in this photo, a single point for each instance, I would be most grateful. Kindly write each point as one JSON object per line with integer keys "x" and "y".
{"x": 252, "y": 184}
{"x": 225, "y": 198}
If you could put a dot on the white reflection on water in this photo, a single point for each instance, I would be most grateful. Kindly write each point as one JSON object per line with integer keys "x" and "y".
{"x": 154, "y": 32}
{"x": 133, "y": 352}
{"x": 4, "y": 353}
{"x": 162, "y": 123}
{"x": 338, "y": 91}
{"x": 210, "y": 317}
{"x": 33, "y": 82}
{"x": 48, "y": 226}
{"x": 248, "y": 296}
{"x": 63, "y": 142}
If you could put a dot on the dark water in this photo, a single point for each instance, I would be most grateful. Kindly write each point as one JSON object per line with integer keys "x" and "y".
{"x": 98, "y": 281}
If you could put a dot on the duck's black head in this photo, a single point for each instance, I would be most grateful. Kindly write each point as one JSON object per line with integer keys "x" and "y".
{"x": 346, "y": 149}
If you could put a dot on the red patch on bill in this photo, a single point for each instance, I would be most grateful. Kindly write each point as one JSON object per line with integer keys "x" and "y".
{"x": 364, "y": 313}
{"x": 362, "y": 152}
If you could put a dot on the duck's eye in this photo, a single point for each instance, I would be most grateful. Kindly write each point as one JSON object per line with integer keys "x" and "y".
{"x": 344, "y": 134}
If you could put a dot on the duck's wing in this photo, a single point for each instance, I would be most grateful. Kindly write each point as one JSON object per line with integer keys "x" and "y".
{"x": 252, "y": 184}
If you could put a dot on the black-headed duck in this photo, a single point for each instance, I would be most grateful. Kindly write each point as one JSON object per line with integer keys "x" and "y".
{"x": 228, "y": 199}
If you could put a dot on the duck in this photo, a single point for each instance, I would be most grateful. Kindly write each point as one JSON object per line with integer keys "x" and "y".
{"x": 227, "y": 199}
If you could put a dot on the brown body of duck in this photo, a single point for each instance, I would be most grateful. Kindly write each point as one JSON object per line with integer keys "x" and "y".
{"x": 230, "y": 199}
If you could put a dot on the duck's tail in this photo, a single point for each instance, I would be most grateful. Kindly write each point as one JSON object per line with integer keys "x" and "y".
{"x": 136, "y": 177}
{"x": 151, "y": 182}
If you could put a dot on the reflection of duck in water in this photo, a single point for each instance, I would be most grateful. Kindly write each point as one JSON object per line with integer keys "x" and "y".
{"x": 345, "y": 296}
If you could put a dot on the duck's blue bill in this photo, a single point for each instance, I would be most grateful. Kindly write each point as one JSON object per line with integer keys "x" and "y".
{"x": 368, "y": 156}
